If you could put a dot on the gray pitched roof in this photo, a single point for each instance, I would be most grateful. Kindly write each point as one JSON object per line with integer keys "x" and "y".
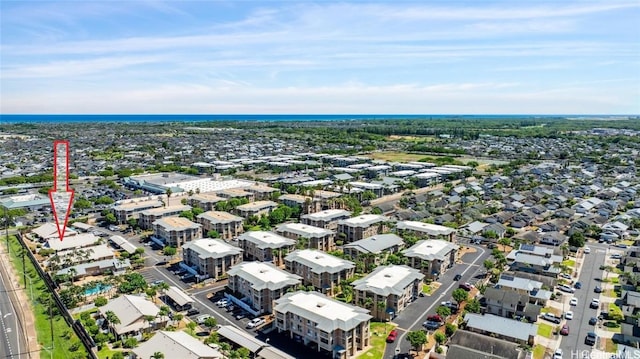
{"x": 377, "y": 243}
{"x": 502, "y": 326}
{"x": 480, "y": 344}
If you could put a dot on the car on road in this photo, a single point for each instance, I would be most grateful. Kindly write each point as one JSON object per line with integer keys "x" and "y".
{"x": 568, "y": 315}
{"x": 578, "y": 285}
{"x": 595, "y": 303}
{"x": 587, "y": 250}
{"x": 557, "y": 354}
{"x": 255, "y": 322}
{"x": 591, "y": 338}
{"x": 224, "y": 302}
{"x": 552, "y": 318}
{"x": 392, "y": 336}
{"x": 193, "y": 311}
{"x": 565, "y": 288}
{"x": 431, "y": 325}
{"x": 457, "y": 277}
{"x": 201, "y": 318}
{"x": 597, "y": 289}
{"x": 593, "y": 321}
{"x": 564, "y": 330}
{"x": 573, "y": 301}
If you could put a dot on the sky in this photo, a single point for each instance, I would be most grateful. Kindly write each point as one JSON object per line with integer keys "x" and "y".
{"x": 325, "y": 57}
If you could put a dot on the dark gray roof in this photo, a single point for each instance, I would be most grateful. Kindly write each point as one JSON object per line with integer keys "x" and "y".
{"x": 483, "y": 345}
{"x": 376, "y": 244}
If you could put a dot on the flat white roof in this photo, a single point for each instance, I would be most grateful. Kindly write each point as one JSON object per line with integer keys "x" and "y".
{"x": 327, "y": 215}
{"x": 211, "y": 247}
{"x": 430, "y": 249}
{"x": 431, "y": 229}
{"x": 319, "y": 261}
{"x": 304, "y": 230}
{"x": 364, "y": 220}
{"x": 263, "y": 275}
{"x": 264, "y": 239}
{"x": 387, "y": 280}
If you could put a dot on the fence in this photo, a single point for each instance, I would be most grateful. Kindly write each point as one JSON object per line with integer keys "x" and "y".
{"x": 82, "y": 334}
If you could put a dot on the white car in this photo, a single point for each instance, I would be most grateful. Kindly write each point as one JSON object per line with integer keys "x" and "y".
{"x": 566, "y": 288}
{"x": 573, "y": 301}
{"x": 201, "y": 318}
{"x": 223, "y": 302}
{"x": 557, "y": 354}
{"x": 568, "y": 315}
{"x": 587, "y": 250}
{"x": 255, "y": 322}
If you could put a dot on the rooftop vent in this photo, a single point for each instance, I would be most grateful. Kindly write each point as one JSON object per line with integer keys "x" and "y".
{"x": 320, "y": 304}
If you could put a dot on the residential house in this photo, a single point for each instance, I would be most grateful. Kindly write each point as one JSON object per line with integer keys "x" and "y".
{"x": 265, "y": 246}
{"x": 210, "y": 257}
{"x": 374, "y": 249}
{"x": 321, "y": 270}
{"x": 525, "y": 286}
{"x": 257, "y": 209}
{"x": 338, "y": 328}
{"x": 511, "y": 304}
{"x": 175, "y": 344}
{"x": 388, "y": 290}
{"x": 432, "y": 256}
{"x": 366, "y": 225}
{"x": 149, "y": 216}
{"x": 535, "y": 259}
{"x": 426, "y": 230}
{"x": 175, "y": 231}
{"x": 327, "y": 219}
{"x": 133, "y": 313}
{"x": 316, "y": 237}
{"x": 503, "y": 328}
{"x": 469, "y": 345}
{"x": 227, "y": 225}
{"x": 256, "y": 285}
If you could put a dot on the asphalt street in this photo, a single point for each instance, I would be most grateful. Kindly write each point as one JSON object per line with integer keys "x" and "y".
{"x": 12, "y": 343}
{"x": 415, "y": 314}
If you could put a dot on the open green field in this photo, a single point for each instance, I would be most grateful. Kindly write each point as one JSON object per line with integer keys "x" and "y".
{"x": 379, "y": 332}
{"x": 64, "y": 338}
{"x": 396, "y": 156}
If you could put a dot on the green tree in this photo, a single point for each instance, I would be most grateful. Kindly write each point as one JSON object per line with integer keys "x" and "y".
{"x": 130, "y": 343}
{"x": 576, "y": 239}
{"x": 473, "y": 306}
{"x": 112, "y": 317}
{"x": 169, "y": 251}
{"x": 191, "y": 326}
{"x": 443, "y": 311}
{"x": 489, "y": 264}
{"x": 157, "y": 355}
{"x": 417, "y": 338}
{"x": 210, "y": 323}
{"x": 100, "y": 301}
{"x": 213, "y": 234}
{"x": 440, "y": 338}
{"x": 187, "y": 214}
{"x": 615, "y": 313}
{"x": 117, "y": 355}
{"x": 243, "y": 353}
{"x": 110, "y": 218}
{"x": 450, "y": 329}
{"x": 460, "y": 295}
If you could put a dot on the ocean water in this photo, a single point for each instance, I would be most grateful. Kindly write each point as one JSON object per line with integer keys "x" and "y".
{"x": 11, "y": 118}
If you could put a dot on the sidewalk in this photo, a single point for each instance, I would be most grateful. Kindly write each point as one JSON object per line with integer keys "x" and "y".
{"x": 21, "y": 303}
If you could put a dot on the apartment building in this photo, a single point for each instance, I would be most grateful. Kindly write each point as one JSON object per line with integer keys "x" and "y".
{"x": 261, "y": 192}
{"x": 426, "y": 230}
{"x": 327, "y": 219}
{"x": 131, "y": 208}
{"x": 265, "y": 246}
{"x": 378, "y": 246}
{"x": 317, "y": 237}
{"x": 226, "y": 224}
{"x": 149, "y": 216}
{"x": 211, "y": 257}
{"x": 388, "y": 290}
{"x": 319, "y": 269}
{"x": 176, "y": 231}
{"x": 206, "y": 201}
{"x": 340, "y": 329}
{"x": 306, "y": 203}
{"x": 238, "y": 193}
{"x": 258, "y": 284}
{"x": 366, "y": 225}
{"x": 257, "y": 208}
{"x": 432, "y": 256}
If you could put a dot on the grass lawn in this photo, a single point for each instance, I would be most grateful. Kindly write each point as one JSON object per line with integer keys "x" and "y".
{"x": 615, "y": 280}
{"x": 63, "y": 335}
{"x": 628, "y": 242}
{"x": 90, "y": 311}
{"x": 426, "y": 289}
{"x": 610, "y": 293}
{"x": 569, "y": 263}
{"x": 396, "y": 156}
{"x": 538, "y": 351}
{"x": 610, "y": 346}
{"x": 612, "y": 326}
{"x": 106, "y": 352}
{"x": 378, "y": 340}
{"x": 545, "y": 330}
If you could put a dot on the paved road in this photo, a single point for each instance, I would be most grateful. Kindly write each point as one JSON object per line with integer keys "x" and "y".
{"x": 414, "y": 315}
{"x": 12, "y": 342}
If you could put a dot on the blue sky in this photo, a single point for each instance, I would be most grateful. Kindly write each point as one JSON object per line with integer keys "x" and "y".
{"x": 243, "y": 57}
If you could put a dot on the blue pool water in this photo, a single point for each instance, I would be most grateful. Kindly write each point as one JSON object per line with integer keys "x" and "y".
{"x": 97, "y": 289}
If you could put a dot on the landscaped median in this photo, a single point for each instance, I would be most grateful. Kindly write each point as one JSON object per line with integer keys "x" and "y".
{"x": 65, "y": 342}
{"x": 379, "y": 332}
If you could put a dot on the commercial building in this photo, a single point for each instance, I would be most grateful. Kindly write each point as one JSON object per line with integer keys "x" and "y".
{"x": 226, "y": 224}
{"x": 317, "y": 237}
{"x": 211, "y": 257}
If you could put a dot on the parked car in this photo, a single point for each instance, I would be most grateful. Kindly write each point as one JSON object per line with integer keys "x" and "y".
{"x": 457, "y": 277}
{"x": 564, "y": 330}
{"x": 587, "y": 250}
{"x": 255, "y": 322}
{"x": 573, "y": 301}
{"x": 578, "y": 285}
{"x": 568, "y": 315}
{"x": 466, "y": 286}
{"x": 223, "y": 302}
{"x": 565, "y": 288}
{"x": 241, "y": 315}
{"x": 193, "y": 311}
{"x": 435, "y": 318}
{"x": 552, "y": 318}
{"x": 595, "y": 303}
{"x": 431, "y": 325}
{"x": 557, "y": 354}
{"x": 591, "y": 338}
{"x": 616, "y": 256}
{"x": 593, "y": 321}
{"x": 564, "y": 275}
{"x": 200, "y": 319}
{"x": 597, "y": 289}
{"x": 454, "y": 307}
{"x": 392, "y": 336}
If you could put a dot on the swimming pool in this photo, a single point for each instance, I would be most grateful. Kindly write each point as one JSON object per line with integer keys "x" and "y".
{"x": 99, "y": 288}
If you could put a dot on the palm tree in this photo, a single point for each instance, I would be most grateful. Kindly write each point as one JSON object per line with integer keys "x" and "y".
{"x": 112, "y": 317}
{"x": 157, "y": 355}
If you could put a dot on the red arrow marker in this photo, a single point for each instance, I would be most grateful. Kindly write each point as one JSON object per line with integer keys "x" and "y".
{"x": 61, "y": 195}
